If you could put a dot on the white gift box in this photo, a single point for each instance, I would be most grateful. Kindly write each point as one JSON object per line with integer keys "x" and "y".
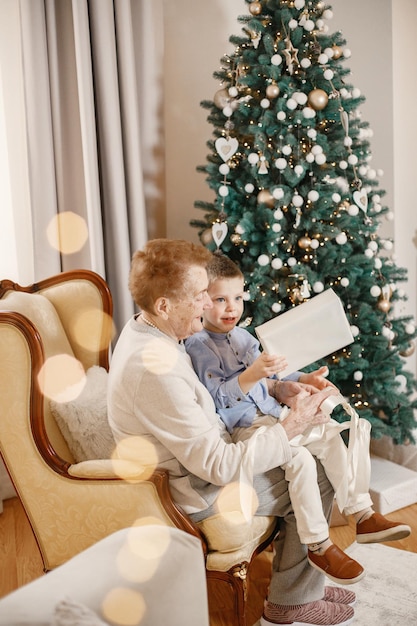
{"x": 308, "y": 332}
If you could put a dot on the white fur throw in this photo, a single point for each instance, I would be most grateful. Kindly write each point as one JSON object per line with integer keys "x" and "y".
{"x": 70, "y": 613}
{"x": 83, "y": 421}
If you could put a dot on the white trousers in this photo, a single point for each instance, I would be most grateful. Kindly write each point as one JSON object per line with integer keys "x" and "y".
{"x": 348, "y": 470}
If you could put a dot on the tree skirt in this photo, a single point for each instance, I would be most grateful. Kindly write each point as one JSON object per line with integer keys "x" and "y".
{"x": 387, "y": 595}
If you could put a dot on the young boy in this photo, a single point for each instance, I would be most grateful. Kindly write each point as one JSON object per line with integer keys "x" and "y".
{"x": 243, "y": 384}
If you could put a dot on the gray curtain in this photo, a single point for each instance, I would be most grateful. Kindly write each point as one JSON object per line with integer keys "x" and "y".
{"x": 86, "y": 105}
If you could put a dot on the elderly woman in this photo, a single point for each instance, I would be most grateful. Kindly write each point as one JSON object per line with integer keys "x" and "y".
{"x": 155, "y": 396}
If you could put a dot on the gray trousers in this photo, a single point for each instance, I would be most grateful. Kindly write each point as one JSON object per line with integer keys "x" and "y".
{"x": 293, "y": 581}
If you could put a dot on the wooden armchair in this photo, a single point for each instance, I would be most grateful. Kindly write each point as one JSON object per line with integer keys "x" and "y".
{"x": 72, "y": 505}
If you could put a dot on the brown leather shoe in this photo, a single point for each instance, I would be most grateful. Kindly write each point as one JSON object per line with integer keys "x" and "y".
{"x": 378, "y": 528}
{"x": 337, "y": 565}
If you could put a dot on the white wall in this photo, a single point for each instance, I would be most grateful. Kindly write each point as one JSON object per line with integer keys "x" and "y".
{"x": 379, "y": 34}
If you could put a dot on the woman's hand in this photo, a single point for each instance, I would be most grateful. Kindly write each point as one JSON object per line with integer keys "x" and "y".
{"x": 305, "y": 411}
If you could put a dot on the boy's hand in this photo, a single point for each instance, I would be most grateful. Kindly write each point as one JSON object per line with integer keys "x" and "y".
{"x": 264, "y": 366}
{"x": 267, "y": 365}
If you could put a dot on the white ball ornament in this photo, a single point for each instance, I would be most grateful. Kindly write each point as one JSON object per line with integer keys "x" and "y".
{"x": 223, "y": 191}
{"x": 253, "y": 158}
{"x": 336, "y": 197}
{"x": 312, "y": 133}
{"x": 320, "y": 159}
{"x": 276, "y": 228}
{"x": 327, "y": 14}
{"x": 387, "y": 245}
{"x": 372, "y": 245}
{"x": 265, "y": 103}
{"x": 344, "y": 282}
{"x": 356, "y": 92}
{"x": 281, "y": 116}
{"x": 276, "y": 59}
{"x": 276, "y": 307}
{"x": 402, "y": 383}
{"x": 341, "y": 239}
{"x": 233, "y": 92}
{"x": 377, "y": 263}
{"x": 263, "y": 260}
{"x": 299, "y": 170}
{"x": 348, "y": 141}
{"x": 314, "y": 244}
{"x": 281, "y": 163}
{"x": 313, "y": 195}
{"x": 239, "y": 229}
{"x": 368, "y": 253}
{"x": 375, "y": 291}
{"x": 323, "y": 59}
{"x": 293, "y": 24}
{"x": 354, "y": 330}
{"x": 310, "y": 158}
{"x": 347, "y": 53}
{"x": 297, "y": 200}
{"x": 305, "y": 63}
{"x": 299, "y": 4}
{"x": 291, "y": 104}
{"x": 353, "y": 210}
{"x": 410, "y": 329}
{"x": 308, "y": 113}
{"x": 291, "y": 261}
{"x": 308, "y": 25}
{"x": 328, "y": 74}
{"x": 224, "y": 169}
{"x": 300, "y": 97}
{"x": 389, "y": 216}
{"x": 276, "y": 264}
{"x": 228, "y": 111}
{"x": 278, "y": 194}
{"x": 246, "y": 296}
{"x": 358, "y": 376}
{"x": 287, "y": 150}
{"x": 316, "y": 149}
{"x": 352, "y": 159}
{"x": 343, "y": 165}
{"x": 249, "y": 188}
{"x": 318, "y": 287}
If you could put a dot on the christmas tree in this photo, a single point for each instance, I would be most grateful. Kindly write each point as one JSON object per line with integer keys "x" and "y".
{"x": 297, "y": 203}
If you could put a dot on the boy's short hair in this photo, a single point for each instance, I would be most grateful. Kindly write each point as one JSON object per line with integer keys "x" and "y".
{"x": 220, "y": 266}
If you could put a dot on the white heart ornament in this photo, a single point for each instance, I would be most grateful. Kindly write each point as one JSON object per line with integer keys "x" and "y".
{"x": 226, "y": 148}
{"x": 360, "y": 198}
{"x": 219, "y": 231}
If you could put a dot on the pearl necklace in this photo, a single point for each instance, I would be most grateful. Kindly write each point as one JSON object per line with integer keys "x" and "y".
{"x": 148, "y": 322}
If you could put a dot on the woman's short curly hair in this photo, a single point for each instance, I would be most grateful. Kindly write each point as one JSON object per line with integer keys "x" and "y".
{"x": 160, "y": 270}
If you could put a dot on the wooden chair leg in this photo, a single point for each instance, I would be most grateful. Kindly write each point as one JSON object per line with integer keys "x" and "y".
{"x": 227, "y": 595}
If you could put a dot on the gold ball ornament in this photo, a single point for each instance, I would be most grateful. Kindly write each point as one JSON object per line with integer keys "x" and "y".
{"x": 272, "y": 91}
{"x": 384, "y": 305}
{"x": 206, "y": 236}
{"x": 236, "y": 239}
{"x": 221, "y": 98}
{"x": 337, "y": 52}
{"x": 318, "y": 99}
{"x": 410, "y": 350}
{"x": 304, "y": 243}
{"x": 255, "y": 8}
{"x": 265, "y": 197}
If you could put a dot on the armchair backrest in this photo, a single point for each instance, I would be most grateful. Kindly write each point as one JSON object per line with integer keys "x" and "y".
{"x": 68, "y": 314}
